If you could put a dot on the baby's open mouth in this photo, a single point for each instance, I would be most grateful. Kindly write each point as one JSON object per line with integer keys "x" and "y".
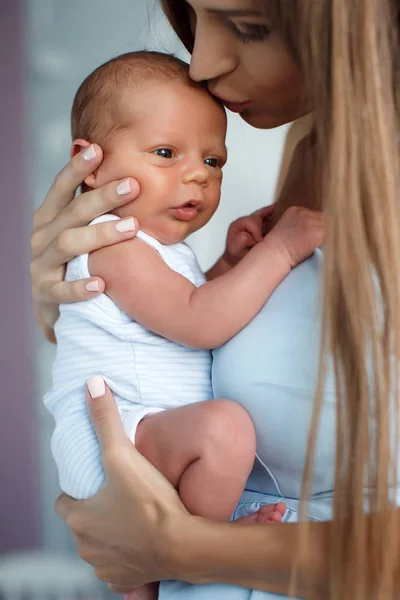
{"x": 198, "y": 204}
{"x": 189, "y": 210}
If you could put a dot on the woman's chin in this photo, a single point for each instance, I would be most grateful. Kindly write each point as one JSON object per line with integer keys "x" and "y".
{"x": 262, "y": 120}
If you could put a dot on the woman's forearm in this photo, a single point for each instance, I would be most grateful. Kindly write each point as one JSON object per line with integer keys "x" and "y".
{"x": 254, "y": 556}
{"x": 260, "y": 556}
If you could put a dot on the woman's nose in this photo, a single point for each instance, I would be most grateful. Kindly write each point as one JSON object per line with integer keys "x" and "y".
{"x": 211, "y": 57}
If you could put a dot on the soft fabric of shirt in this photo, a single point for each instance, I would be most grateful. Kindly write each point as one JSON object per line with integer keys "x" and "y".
{"x": 271, "y": 368}
{"x": 147, "y": 372}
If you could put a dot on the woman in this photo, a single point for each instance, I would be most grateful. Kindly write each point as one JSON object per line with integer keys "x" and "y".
{"x": 279, "y": 59}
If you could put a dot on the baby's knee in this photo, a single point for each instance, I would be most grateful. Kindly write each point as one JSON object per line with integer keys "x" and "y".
{"x": 230, "y": 430}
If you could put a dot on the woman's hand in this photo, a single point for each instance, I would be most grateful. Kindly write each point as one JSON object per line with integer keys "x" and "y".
{"x": 60, "y": 232}
{"x": 125, "y": 530}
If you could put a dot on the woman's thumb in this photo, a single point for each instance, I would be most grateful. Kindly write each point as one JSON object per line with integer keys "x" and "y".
{"x": 104, "y": 413}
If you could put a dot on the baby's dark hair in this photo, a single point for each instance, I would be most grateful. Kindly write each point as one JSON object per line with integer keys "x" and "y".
{"x": 95, "y": 111}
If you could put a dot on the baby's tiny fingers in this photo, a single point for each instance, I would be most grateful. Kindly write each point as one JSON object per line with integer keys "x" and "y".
{"x": 253, "y": 227}
{"x": 267, "y": 211}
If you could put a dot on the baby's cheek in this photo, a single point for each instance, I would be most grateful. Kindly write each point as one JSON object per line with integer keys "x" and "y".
{"x": 215, "y": 194}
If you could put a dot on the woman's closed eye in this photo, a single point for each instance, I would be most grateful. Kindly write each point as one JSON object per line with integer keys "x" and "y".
{"x": 247, "y": 33}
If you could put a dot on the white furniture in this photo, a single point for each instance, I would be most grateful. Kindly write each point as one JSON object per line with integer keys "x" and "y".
{"x": 41, "y": 575}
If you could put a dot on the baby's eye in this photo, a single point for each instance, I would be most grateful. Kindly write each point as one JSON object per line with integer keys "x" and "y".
{"x": 164, "y": 152}
{"x": 212, "y": 162}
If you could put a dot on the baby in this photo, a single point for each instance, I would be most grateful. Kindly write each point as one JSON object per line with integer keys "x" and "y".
{"x": 152, "y": 332}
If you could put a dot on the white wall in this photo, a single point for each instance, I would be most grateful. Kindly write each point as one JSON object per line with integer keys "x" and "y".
{"x": 68, "y": 39}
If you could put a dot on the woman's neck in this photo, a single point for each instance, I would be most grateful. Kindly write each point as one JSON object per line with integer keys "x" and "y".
{"x": 297, "y": 187}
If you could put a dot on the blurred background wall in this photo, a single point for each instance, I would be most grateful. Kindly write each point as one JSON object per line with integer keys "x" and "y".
{"x": 48, "y": 47}
{"x": 19, "y": 464}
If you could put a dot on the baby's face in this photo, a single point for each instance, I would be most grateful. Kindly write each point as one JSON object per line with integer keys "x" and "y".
{"x": 174, "y": 145}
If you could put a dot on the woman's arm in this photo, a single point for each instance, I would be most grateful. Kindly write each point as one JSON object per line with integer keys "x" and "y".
{"x": 253, "y": 556}
{"x": 60, "y": 233}
{"x": 136, "y": 529}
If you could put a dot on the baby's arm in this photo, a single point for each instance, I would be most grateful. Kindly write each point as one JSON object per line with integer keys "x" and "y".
{"x": 142, "y": 285}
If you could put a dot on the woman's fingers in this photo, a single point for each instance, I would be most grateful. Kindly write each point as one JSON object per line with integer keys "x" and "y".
{"x": 83, "y": 240}
{"x": 124, "y": 531}
{"x": 67, "y": 182}
{"x": 86, "y": 207}
{"x": 104, "y": 415}
{"x": 74, "y": 291}
{"x": 64, "y": 505}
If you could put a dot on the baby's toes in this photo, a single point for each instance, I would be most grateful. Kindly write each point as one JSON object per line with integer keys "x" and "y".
{"x": 273, "y": 513}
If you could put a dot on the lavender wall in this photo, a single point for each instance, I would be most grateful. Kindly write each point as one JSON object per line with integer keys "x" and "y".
{"x": 18, "y": 509}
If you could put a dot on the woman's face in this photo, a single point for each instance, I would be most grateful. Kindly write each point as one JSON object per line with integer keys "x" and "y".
{"x": 246, "y": 63}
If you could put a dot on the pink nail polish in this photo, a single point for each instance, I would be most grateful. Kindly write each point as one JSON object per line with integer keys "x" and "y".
{"x": 89, "y": 153}
{"x": 96, "y": 386}
{"x": 124, "y": 188}
{"x": 126, "y": 225}
{"x": 93, "y": 286}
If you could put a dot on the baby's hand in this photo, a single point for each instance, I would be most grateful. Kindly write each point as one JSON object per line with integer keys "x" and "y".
{"x": 244, "y": 233}
{"x": 297, "y": 234}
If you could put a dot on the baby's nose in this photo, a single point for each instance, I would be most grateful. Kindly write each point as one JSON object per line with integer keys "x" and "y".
{"x": 196, "y": 172}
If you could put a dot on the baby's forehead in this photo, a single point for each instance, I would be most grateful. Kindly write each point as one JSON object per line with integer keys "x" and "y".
{"x": 157, "y": 100}
{"x": 138, "y": 93}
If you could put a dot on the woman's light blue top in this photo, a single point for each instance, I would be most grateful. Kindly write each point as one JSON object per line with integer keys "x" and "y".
{"x": 271, "y": 368}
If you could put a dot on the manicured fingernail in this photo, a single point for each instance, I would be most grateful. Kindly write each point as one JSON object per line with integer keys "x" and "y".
{"x": 93, "y": 286}
{"x": 126, "y": 225}
{"x": 89, "y": 153}
{"x": 96, "y": 386}
{"x": 124, "y": 188}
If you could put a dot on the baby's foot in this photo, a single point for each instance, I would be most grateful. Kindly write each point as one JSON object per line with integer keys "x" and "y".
{"x": 269, "y": 513}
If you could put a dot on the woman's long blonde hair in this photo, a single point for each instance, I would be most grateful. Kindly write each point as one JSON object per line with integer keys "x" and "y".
{"x": 349, "y": 54}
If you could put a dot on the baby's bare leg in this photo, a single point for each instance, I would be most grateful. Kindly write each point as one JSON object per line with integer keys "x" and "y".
{"x": 206, "y": 450}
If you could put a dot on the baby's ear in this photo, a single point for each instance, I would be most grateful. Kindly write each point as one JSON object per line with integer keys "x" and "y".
{"x": 76, "y": 147}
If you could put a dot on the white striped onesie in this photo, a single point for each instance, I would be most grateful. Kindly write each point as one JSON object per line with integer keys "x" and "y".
{"x": 147, "y": 372}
